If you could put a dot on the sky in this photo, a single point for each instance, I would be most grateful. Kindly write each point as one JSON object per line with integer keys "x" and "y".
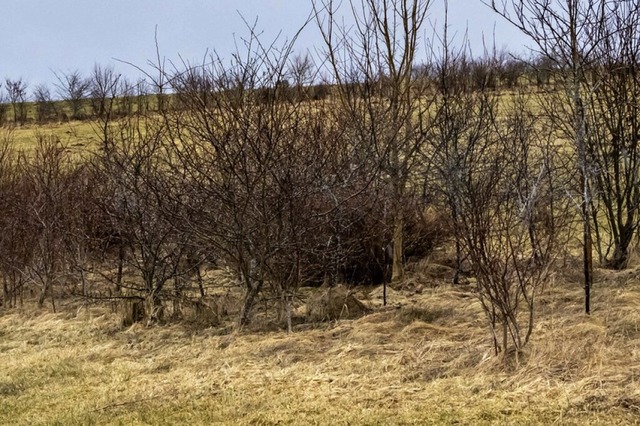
{"x": 40, "y": 37}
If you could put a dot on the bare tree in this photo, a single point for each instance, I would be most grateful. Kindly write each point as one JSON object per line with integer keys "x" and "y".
{"x": 157, "y": 79}
{"x": 17, "y": 95}
{"x": 3, "y": 105}
{"x": 45, "y": 106}
{"x": 464, "y": 114}
{"x": 302, "y": 72}
{"x": 372, "y": 65}
{"x": 565, "y": 33}
{"x": 143, "y": 93}
{"x": 126, "y": 100}
{"x": 493, "y": 161}
{"x": 103, "y": 90}
{"x": 612, "y": 135}
{"x": 512, "y": 70}
{"x": 73, "y": 88}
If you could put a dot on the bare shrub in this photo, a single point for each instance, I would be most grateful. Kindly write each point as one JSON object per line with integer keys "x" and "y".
{"x": 259, "y": 166}
{"x": 139, "y": 200}
{"x": 45, "y": 187}
{"x": 14, "y": 252}
{"x": 511, "y": 212}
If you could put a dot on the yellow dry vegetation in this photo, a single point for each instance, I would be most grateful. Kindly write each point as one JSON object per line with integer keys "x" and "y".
{"x": 77, "y": 136}
{"x": 426, "y": 359}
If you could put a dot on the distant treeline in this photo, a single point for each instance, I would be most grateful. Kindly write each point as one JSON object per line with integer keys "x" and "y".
{"x": 78, "y": 96}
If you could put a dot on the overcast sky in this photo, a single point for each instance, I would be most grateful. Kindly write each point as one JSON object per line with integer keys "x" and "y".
{"x": 38, "y": 36}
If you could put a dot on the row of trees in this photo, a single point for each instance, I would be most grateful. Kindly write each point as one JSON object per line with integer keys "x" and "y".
{"x": 287, "y": 191}
{"x": 75, "y": 96}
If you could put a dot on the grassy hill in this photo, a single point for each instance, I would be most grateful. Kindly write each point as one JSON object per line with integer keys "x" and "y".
{"x": 75, "y": 135}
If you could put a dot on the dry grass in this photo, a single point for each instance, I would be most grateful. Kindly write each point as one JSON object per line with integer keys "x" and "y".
{"x": 426, "y": 359}
{"x": 77, "y": 136}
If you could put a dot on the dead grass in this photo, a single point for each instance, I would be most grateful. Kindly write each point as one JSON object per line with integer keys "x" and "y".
{"x": 425, "y": 359}
{"x": 77, "y": 136}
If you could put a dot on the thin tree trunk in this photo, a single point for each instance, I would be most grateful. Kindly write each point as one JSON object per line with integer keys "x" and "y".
{"x": 580, "y": 128}
{"x": 397, "y": 273}
{"x": 6, "y": 298}
{"x": 384, "y": 293}
{"x": 21, "y": 293}
{"x": 288, "y": 312}
{"x": 621, "y": 251}
{"x": 249, "y": 301}
{"x": 177, "y": 296}
{"x": 454, "y": 218}
{"x": 120, "y": 267}
{"x": 6, "y": 294}
{"x": 588, "y": 261}
{"x": 84, "y": 283}
{"x": 153, "y": 308}
{"x": 200, "y": 282}
{"x": 43, "y": 295}
{"x": 53, "y": 302}
{"x": 505, "y": 337}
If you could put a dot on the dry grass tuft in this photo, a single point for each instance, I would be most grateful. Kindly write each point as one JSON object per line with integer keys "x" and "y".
{"x": 335, "y": 303}
{"x": 425, "y": 359}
